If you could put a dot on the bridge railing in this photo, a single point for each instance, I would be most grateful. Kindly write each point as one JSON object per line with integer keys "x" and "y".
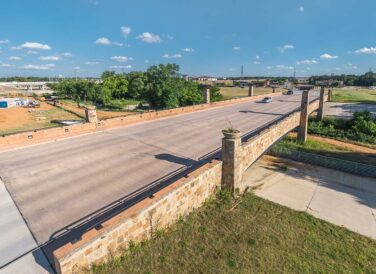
{"x": 325, "y": 161}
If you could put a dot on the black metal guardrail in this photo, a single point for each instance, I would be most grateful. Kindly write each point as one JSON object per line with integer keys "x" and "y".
{"x": 325, "y": 161}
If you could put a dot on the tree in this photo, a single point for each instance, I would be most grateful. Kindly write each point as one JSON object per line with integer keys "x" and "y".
{"x": 116, "y": 86}
{"x": 215, "y": 94}
{"x": 137, "y": 84}
{"x": 161, "y": 86}
{"x": 106, "y": 74}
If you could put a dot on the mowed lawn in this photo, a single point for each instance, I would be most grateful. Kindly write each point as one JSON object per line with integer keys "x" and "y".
{"x": 248, "y": 235}
{"x": 352, "y": 95}
{"x": 235, "y": 92}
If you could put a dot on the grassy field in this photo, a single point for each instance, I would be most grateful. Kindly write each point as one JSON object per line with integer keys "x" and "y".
{"x": 234, "y": 92}
{"x": 19, "y": 119}
{"x": 101, "y": 113}
{"x": 326, "y": 149}
{"x": 347, "y": 95}
{"x": 249, "y": 235}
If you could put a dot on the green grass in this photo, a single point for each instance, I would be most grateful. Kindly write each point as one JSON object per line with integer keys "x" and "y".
{"x": 235, "y": 92}
{"x": 322, "y": 148}
{"x": 346, "y": 95}
{"x": 253, "y": 236}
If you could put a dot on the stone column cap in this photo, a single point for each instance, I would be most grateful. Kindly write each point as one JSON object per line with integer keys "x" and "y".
{"x": 231, "y": 133}
{"x": 91, "y": 107}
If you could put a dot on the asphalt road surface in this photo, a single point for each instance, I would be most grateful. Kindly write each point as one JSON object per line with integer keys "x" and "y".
{"x": 55, "y": 184}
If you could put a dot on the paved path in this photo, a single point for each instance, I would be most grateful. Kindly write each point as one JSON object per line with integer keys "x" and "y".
{"x": 346, "y": 110}
{"x": 17, "y": 245}
{"x": 337, "y": 197}
{"x": 55, "y": 184}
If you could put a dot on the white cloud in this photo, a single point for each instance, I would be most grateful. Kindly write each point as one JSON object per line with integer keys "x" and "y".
{"x": 34, "y": 45}
{"x": 307, "y": 62}
{"x": 15, "y": 58}
{"x": 6, "y": 65}
{"x": 121, "y": 67}
{"x": 107, "y": 42}
{"x": 371, "y": 50}
{"x": 172, "y": 56}
{"x": 258, "y": 57}
{"x": 236, "y": 48}
{"x": 122, "y": 59}
{"x": 67, "y": 54}
{"x": 301, "y": 9}
{"x": 328, "y": 56}
{"x": 232, "y": 69}
{"x": 284, "y": 67}
{"x": 256, "y": 62}
{"x": 285, "y": 47}
{"x": 126, "y": 31}
{"x": 4, "y": 41}
{"x": 39, "y": 67}
{"x": 50, "y": 58}
{"x": 76, "y": 68}
{"x": 188, "y": 50}
{"x": 91, "y": 63}
{"x": 148, "y": 37}
{"x": 29, "y": 52}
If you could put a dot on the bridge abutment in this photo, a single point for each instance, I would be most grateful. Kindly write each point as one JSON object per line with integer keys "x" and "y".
{"x": 303, "y": 124}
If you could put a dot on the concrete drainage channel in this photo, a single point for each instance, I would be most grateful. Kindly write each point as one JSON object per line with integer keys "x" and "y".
{"x": 17, "y": 245}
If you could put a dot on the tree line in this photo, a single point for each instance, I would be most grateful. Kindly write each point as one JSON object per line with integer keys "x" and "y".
{"x": 366, "y": 80}
{"x": 161, "y": 86}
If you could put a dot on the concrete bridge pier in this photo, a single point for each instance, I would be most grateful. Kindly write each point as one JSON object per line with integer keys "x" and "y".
{"x": 91, "y": 115}
{"x": 251, "y": 90}
{"x": 206, "y": 95}
{"x": 231, "y": 158}
{"x": 320, "y": 111}
{"x": 303, "y": 125}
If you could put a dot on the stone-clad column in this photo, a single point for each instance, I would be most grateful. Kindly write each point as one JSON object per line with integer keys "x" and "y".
{"x": 303, "y": 127}
{"x": 330, "y": 94}
{"x": 231, "y": 157}
{"x": 91, "y": 115}
{"x": 320, "y": 112}
{"x": 251, "y": 90}
{"x": 274, "y": 89}
{"x": 206, "y": 95}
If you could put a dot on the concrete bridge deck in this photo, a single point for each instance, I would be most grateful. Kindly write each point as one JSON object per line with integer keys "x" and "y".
{"x": 55, "y": 184}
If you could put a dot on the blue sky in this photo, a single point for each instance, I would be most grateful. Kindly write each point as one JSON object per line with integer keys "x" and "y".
{"x": 206, "y": 37}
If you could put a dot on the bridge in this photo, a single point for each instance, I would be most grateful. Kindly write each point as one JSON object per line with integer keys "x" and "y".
{"x": 66, "y": 187}
{"x": 28, "y": 86}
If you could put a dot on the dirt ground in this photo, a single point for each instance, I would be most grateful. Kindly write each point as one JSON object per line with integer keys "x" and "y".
{"x": 102, "y": 115}
{"x": 18, "y": 119}
{"x": 352, "y": 147}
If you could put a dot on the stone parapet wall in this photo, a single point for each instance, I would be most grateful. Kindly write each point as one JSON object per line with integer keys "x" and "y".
{"x": 39, "y": 136}
{"x": 138, "y": 222}
{"x": 257, "y": 145}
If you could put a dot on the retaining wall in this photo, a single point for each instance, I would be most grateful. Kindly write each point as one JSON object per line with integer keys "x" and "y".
{"x": 39, "y": 136}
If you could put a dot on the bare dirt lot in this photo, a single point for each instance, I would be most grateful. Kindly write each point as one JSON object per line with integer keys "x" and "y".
{"x": 19, "y": 119}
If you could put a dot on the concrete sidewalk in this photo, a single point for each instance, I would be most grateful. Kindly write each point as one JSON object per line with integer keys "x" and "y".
{"x": 18, "y": 250}
{"x": 337, "y": 197}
